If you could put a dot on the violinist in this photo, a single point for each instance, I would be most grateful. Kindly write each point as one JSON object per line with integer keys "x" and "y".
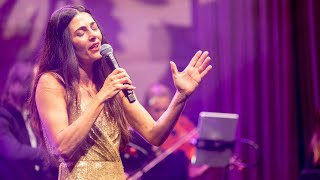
{"x": 158, "y": 98}
{"x": 174, "y": 166}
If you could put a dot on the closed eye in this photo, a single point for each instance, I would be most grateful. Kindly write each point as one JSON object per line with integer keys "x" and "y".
{"x": 81, "y": 30}
{"x": 80, "y": 33}
{"x": 94, "y": 26}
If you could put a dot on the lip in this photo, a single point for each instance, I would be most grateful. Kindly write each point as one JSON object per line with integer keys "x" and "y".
{"x": 95, "y": 46}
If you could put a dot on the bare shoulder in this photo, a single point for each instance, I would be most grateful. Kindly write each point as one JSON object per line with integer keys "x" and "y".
{"x": 51, "y": 82}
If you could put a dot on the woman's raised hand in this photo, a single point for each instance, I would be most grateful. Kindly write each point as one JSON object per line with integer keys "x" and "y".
{"x": 189, "y": 79}
{"x": 115, "y": 82}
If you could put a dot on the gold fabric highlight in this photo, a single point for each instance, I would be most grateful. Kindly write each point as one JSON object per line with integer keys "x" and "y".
{"x": 98, "y": 156}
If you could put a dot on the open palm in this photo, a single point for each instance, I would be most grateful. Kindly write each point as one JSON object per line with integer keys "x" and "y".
{"x": 189, "y": 79}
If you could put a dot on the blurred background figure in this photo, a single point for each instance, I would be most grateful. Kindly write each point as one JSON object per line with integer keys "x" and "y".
{"x": 140, "y": 153}
{"x": 311, "y": 169}
{"x": 157, "y": 99}
{"x": 313, "y": 162}
{"x": 19, "y": 157}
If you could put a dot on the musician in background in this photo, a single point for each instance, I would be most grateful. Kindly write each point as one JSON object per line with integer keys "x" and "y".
{"x": 157, "y": 99}
{"x": 20, "y": 158}
{"x": 313, "y": 159}
{"x": 175, "y": 166}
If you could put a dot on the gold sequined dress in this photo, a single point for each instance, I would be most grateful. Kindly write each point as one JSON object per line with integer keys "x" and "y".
{"x": 98, "y": 156}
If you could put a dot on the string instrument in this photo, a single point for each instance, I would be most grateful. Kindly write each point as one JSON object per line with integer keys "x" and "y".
{"x": 181, "y": 129}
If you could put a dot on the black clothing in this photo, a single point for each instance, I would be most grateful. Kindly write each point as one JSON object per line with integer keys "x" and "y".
{"x": 18, "y": 160}
{"x": 173, "y": 167}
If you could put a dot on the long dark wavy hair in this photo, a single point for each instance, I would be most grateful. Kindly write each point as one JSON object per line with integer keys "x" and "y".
{"x": 58, "y": 56}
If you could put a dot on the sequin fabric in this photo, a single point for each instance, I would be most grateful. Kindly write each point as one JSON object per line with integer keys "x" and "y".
{"x": 98, "y": 156}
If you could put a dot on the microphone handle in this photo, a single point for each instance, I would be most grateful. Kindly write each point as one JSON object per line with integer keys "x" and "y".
{"x": 114, "y": 64}
{"x": 129, "y": 94}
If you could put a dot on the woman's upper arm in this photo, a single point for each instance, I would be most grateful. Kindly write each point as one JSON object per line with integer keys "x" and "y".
{"x": 51, "y": 104}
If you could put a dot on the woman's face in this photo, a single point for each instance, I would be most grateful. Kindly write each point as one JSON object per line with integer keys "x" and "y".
{"x": 86, "y": 38}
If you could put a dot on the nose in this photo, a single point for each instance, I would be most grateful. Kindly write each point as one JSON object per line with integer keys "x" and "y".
{"x": 92, "y": 36}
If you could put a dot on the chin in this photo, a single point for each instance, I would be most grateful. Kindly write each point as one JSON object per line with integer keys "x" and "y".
{"x": 96, "y": 57}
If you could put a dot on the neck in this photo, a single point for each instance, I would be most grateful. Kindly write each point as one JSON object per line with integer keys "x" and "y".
{"x": 86, "y": 75}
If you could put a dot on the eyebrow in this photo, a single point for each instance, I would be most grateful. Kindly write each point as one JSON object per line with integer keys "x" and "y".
{"x": 84, "y": 27}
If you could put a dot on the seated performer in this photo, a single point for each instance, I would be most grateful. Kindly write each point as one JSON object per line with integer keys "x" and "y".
{"x": 157, "y": 100}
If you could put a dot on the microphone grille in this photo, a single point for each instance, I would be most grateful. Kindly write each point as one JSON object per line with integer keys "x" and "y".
{"x": 106, "y": 49}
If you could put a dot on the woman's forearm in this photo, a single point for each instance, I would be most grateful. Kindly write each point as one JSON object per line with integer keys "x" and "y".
{"x": 164, "y": 125}
{"x": 72, "y": 136}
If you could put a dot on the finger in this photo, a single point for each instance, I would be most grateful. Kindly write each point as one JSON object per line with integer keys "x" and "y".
{"x": 121, "y": 80}
{"x": 208, "y": 68}
{"x": 195, "y": 58}
{"x": 174, "y": 68}
{"x": 128, "y": 86}
{"x": 117, "y": 71}
{"x": 204, "y": 64}
{"x": 125, "y": 86}
{"x": 201, "y": 59}
{"x": 125, "y": 80}
{"x": 121, "y": 75}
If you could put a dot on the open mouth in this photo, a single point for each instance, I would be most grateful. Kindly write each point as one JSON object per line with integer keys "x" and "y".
{"x": 94, "y": 46}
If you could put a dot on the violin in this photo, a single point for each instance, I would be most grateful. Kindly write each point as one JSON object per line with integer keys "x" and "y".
{"x": 181, "y": 129}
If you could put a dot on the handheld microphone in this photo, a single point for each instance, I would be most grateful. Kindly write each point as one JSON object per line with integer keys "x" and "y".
{"x": 106, "y": 52}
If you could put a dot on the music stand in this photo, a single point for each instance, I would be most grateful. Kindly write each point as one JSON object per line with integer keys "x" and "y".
{"x": 216, "y": 138}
